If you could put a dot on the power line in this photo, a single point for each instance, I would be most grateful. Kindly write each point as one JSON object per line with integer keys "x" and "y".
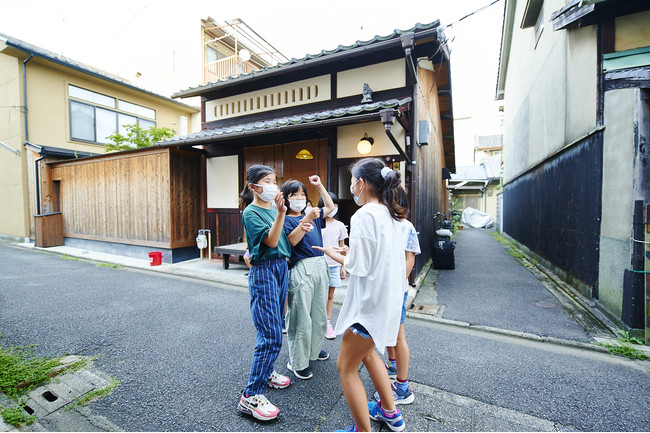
{"x": 471, "y": 13}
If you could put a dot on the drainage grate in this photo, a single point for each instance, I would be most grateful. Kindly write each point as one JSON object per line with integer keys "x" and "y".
{"x": 47, "y": 395}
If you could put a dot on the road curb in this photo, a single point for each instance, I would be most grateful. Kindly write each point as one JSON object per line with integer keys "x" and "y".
{"x": 508, "y": 333}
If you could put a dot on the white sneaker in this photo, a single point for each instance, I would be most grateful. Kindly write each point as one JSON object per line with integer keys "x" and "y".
{"x": 329, "y": 334}
{"x": 278, "y": 381}
{"x": 258, "y": 406}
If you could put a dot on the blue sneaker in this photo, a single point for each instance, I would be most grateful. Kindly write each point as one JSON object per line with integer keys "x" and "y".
{"x": 395, "y": 422}
{"x": 392, "y": 370}
{"x": 349, "y": 428}
{"x": 400, "y": 396}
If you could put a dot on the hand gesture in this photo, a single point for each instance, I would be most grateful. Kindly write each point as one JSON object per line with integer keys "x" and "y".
{"x": 344, "y": 250}
{"x": 313, "y": 214}
{"x": 315, "y": 181}
{"x": 279, "y": 203}
{"x": 306, "y": 225}
{"x": 329, "y": 250}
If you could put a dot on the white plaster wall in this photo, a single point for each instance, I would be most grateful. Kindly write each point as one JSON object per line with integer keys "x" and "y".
{"x": 381, "y": 76}
{"x": 550, "y": 89}
{"x": 581, "y": 82}
{"x": 222, "y": 177}
{"x": 349, "y": 136}
{"x": 618, "y": 163}
{"x": 617, "y": 198}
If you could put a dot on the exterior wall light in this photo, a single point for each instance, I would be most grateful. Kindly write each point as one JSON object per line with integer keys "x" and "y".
{"x": 304, "y": 154}
{"x": 365, "y": 144}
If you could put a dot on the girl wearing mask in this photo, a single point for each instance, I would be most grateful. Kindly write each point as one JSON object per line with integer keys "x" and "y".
{"x": 308, "y": 278}
{"x": 371, "y": 311}
{"x": 267, "y": 284}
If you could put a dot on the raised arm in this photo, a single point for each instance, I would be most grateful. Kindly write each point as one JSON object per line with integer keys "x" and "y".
{"x": 328, "y": 204}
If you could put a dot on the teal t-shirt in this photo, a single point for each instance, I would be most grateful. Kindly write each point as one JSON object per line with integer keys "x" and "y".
{"x": 257, "y": 223}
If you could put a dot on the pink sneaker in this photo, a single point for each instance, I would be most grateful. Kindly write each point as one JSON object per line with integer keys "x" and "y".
{"x": 278, "y": 381}
{"x": 329, "y": 334}
{"x": 258, "y": 406}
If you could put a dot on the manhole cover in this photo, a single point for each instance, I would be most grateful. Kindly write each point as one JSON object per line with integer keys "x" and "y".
{"x": 545, "y": 304}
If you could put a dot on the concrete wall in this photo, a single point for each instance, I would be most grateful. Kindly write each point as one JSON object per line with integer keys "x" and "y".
{"x": 617, "y": 200}
{"x": 550, "y": 91}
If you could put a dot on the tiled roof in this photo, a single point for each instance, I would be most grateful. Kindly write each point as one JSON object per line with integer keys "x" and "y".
{"x": 324, "y": 53}
{"x": 282, "y": 122}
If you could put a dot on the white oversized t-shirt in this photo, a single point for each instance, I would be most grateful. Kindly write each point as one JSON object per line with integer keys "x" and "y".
{"x": 377, "y": 267}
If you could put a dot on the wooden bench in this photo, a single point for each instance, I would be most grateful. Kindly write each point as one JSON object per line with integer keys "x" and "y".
{"x": 233, "y": 249}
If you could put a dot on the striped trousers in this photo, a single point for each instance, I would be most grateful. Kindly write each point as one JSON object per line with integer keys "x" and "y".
{"x": 267, "y": 285}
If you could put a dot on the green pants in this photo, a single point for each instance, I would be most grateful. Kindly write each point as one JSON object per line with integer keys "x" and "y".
{"x": 306, "y": 319}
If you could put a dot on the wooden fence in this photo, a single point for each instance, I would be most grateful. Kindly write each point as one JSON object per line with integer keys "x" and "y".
{"x": 149, "y": 198}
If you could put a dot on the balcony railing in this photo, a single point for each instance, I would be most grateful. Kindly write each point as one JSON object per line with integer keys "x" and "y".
{"x": 224, "y": 68}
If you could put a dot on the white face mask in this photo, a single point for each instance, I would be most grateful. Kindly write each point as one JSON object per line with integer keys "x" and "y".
{"x": 331, "y": 214}
{"x": 268, "y": 192}
{"x": 297, "y": 205}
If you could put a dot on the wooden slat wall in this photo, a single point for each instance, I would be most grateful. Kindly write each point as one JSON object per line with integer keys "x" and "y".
{"x": 185, "y": 198}
{"x": 225, "y": 226}
{"x": 118, "y": 198}
{"x": 430, "y": 189}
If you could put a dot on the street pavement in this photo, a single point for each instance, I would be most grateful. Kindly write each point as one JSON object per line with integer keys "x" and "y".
{"x": 494, "y": 355}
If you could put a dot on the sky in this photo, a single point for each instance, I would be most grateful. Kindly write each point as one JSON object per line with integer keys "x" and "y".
{"x": 294, "y": 27}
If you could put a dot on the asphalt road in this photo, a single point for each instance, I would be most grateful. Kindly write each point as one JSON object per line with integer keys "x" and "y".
{"x": 182, "y": 351}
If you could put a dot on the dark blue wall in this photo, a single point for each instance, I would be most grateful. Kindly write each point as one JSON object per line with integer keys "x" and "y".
{"x": 555, "y": 208}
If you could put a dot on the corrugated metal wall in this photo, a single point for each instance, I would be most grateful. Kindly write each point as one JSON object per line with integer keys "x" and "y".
{"x": 555, "y": 208}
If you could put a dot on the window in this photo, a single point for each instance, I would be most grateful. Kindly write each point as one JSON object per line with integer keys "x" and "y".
{"x": 539, "y": 26}
{"x": 212, "y": 55}
{"x": 94, "y": 116}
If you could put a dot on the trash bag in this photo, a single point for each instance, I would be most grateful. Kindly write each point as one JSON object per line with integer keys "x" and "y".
{"x": 474, "y": 218}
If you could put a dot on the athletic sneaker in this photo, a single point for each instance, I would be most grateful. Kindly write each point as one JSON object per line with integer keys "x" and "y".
{"x": 278, "y": 381}
{"x": 330, "y": 335}
{"x": 400, "y": 396}
{"x": 323, "y": 355}
{"x": 392, "y": 371}
{"x": 395, "y": 422}
{"x": 258, "y": 406}
{"x": 303, "y": 374}
{"x": 349, "y": 428}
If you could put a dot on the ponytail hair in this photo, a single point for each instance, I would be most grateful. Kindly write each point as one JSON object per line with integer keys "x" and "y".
{"x": 402, "y": 198}
{"x": 253, "y": 175}
{"x": 383, "y": 181}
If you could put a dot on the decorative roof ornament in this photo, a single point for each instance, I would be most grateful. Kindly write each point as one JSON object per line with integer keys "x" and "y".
{"x": 367, "y": 94}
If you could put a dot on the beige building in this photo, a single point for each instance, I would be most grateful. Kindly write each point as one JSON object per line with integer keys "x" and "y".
{"x": 54, "y": 108}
